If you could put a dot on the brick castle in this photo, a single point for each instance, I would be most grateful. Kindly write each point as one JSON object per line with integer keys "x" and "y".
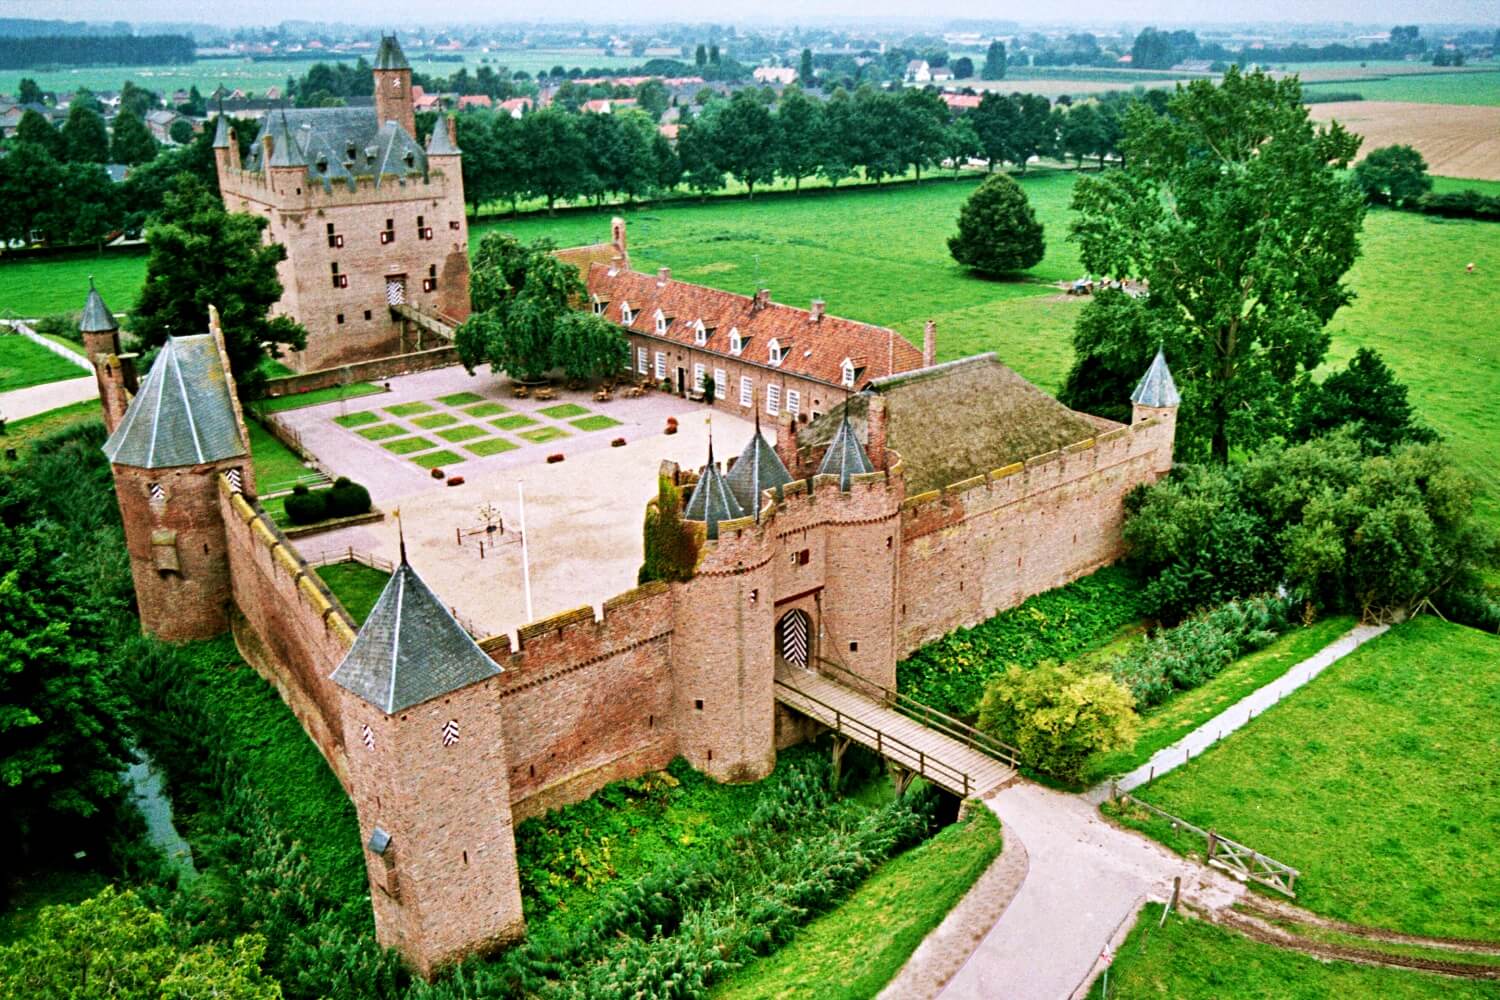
{"x": 927, "y": 500}
{"x": 370, "y": 218}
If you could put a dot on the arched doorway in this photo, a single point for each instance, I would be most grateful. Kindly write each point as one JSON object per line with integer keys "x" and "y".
{"x": 794, "y": 637}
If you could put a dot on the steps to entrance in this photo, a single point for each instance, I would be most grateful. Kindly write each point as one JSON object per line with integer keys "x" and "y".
{"x": 940, "y": 759}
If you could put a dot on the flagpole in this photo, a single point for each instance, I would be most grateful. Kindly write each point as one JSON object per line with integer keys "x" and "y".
{"x": 525, "y": 555}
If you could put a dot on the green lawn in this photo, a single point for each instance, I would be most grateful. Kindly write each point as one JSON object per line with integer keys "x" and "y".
{"x": 1192, "y": 960}
{"x": 33, "y": 287}
{"x": 408, "y": 409}
{"x": 460, "y": 399}
{"x": 317, "y": 397}
{"x": 23, "y": 363}
{"x": 436, "y": 459}
{"x": 491, "y": 446}
{"x": 563, "y": 411}
{"x": 513, "y": 422}
{"x": 1434, "y": 88}
{"x": 852, "y": 951}
{"x": 466, "y": 432}
{"x": 356, "y": 585}
{"x": 544, "y": 434}
{"x": 407, "y": 445}
{"x": 358, "y": 419}
{"x": 21, "y": 433}
{"x": 1169, "y": 722}
{"x": 597, "y": 422}
{"x": 433, "y": 420}
{"x": 485, "y": 409}
{"x": 380, "y": 432}
{"x": 276, "y": 465}
{"x": 1445, "y": 185}
{"x": 1377, "y": 781}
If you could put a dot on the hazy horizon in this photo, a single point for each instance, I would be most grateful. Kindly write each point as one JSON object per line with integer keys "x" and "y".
{"x": 398, "y": 13}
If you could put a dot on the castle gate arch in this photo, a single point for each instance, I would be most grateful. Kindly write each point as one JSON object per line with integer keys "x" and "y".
{"x": 794, "y": 637}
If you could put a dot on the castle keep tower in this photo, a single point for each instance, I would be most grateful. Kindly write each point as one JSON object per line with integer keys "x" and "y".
{"x": 429, "y": 778}
{"x": 369, "y": 218}
{"x": 101, "y": 342}
{"x": 175, "y": 437}
{"x": 1156, "y": 396}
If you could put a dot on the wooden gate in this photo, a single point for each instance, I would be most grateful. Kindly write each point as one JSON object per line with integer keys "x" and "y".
{"x": 792, "y": 637}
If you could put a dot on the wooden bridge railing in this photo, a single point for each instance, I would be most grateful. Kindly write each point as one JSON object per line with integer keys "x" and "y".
{"x": 926, "y": 715}
{"x": 892, "y": 748}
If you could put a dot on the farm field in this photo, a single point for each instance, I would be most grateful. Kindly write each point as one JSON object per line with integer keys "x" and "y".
{"x": 1189, "y": 959}
{"x": 1456, "y": 141}
{"x": 1376, "y": 781}
{"x": 1477, "y": 86}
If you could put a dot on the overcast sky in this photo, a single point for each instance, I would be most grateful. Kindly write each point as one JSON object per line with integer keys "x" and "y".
{"x": 406, "y": 13}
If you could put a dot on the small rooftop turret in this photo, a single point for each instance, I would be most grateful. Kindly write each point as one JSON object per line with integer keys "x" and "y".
{"x": 1156, "y": 388}
{"x": 184, "y": 413}
{"x": 389, "y": 55}
{"x": 712, "y": 500}
{"x": 96, "y": 315}
{"x": 757, "y": 469}
{"x": 845, "y": 456}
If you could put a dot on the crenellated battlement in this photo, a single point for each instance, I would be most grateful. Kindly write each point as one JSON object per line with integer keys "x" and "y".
{"x": 299, "y": 192}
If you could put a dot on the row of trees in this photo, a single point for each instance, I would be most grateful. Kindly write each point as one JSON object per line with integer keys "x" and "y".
{"x": 91, "y": 50}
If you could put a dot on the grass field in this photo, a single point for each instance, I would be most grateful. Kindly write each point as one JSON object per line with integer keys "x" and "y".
{"x": 1174, "y": 719}
{"x": 1191, "y": 960}
{"x": 318, "y": 396}
{"x": 23, "y": 364}
{"x": 1377, "y": 781}
{"x": 1434, "y": 88}
{"x": 276, "y": 465}
{"x": 851, "y": 952}
{"x": 356, "y": 585}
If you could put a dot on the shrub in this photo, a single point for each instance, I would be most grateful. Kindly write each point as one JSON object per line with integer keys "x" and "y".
{"x": 1057, "y": 716}
{"x": 1465, "y": 204}
{"x": 438, "y": 474}
{"x": 617, "y": 443}
{"x": 671, "y": 544}
{"x": 1393, "y": 175}
{"x": 306, "y": 507}
{"x": 347, "y": 499}
{"x": 998, "y": 233}
{"x": 554, "y": 459}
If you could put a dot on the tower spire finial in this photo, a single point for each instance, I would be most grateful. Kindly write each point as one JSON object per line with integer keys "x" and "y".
{"x": 401, "y": 535}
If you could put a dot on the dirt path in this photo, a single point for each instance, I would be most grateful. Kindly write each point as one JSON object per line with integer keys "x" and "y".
{"x": 1085, "y": 882}
{"x": 28, "y": 402}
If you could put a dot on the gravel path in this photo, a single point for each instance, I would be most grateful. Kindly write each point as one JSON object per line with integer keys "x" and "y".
{"x": 28, "y": 402}
{"x": 1086, "y": 880}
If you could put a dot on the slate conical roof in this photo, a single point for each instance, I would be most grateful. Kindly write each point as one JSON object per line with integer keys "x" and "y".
{"x": 1156, "y": 387}
{"x": 410, "y": 649}
{"x": 183, "y": 414}
{"x": 845, "y": 456}
{"x": 712, "y": 500}
{"x": 440, "y": 143}
{"x": 757, "y": 469}
{"x": 96, "y": 315}
{"x": 389, "y": 55}
{"x": 285, "y": 152}
{"x": 221, "y": 130}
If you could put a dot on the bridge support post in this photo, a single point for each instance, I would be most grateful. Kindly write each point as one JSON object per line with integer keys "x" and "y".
{"x": 901, "y": 778}
{"x": 840, "y": 744}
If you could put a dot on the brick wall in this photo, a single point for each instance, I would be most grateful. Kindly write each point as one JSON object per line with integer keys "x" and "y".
{"x": 363, "y": 371}
{"x": 291, "y": 628}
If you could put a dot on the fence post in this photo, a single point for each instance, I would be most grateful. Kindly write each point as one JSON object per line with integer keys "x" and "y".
{"x": 1213, "y": 842}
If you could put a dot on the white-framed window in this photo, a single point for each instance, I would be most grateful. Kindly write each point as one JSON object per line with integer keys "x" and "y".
{"x": 736, "y": 345}
{"x": 626, "y": 316}
{"x": 642, "y": 360}
{"x": 661, "y": 366}
{"x": 700, "y": 333}
{"x": 793, "y": 401}
{"x": 773, "y": 399}
{"x": 848, "y": 373}
{"x": 773, "y": 352}
{"x": 599, "y": 307}
{"x": 661, "y": 322}
{"x": 721, "y": 385}
{"x": 747, "y": 391}
{"x": 698, "y": 373}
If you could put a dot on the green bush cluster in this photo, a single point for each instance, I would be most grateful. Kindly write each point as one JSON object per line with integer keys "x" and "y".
{"x": 343, "y": 499}
{"x": 950, "y": 674}
{"x": 1058, "y": 716}
{"x": 1181, "y": 658}
{"x": 1465, "y": 204}
{"x": 670, "y": 543}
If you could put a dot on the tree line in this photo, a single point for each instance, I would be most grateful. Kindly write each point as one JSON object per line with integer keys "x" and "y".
{"x": 84, "y": 50}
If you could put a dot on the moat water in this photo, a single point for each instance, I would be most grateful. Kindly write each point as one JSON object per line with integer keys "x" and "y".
{"x": 151, "y": 799}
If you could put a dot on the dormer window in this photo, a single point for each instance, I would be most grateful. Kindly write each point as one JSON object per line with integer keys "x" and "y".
{"x": 736, "y": 345}
{"x": 700, "y": 333}
{"x": 848, "y": 373}
{"x": 626, "y": 316}
{"x": 599, "y": 305}
{"x": 773, "y": 352}
{"x": 661, "y": 322}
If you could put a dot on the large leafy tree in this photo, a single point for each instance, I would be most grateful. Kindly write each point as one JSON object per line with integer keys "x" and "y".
{"x": 1234, "y": 207}
{"x": 586, "y": 346}
{"x": 997, "y": 121}
{"x": 558, "y": 155}
{"x": 132, "y": 142}
{"x": 745, "y": 141}
{"x": 1393, "y": 175}
{"x": 923, "y": 125}
{"x": 994, "y": 62}
{"x": 1365, "y": 396}
{"x": 800, "y": 128}
{"x": 35, "y": 128}
{"x": 997, "y": 231}
{"x": 193, "y": 228}
{"x": 85, "y": 136}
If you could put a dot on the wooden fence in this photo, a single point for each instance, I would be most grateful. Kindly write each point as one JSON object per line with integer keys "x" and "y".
{"x": 1238, "y": 860}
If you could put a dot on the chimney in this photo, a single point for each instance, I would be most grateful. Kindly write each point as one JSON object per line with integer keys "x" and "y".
{"x": 452, "y": 129}
{"x": 929, "y": 344}
{"x": 617, "y": 237}
{"x": 786, "y": 444}
{"x": 816, "y": 312}
{"x": 267, "y": 146}
{"x": 663, "y": 274}
{"x": 234, "y": 150}
{"x": 875, "y": 432}
{"x": 762, "y": 299}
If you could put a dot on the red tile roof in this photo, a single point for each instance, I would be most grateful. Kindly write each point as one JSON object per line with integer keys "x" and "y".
{"x": 960, "y": 102}
{"x": 810, "y": 349}
{"x": 474, "y": 101}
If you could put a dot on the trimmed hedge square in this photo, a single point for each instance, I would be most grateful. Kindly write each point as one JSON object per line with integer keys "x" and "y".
{"x": 544, "y": 434}
{"x": 513, "y": 422}
{"x": 463, "y": 432}
{"x": 407, "y": 445}
{"x": 435, "y": 420}
{"x": 563, "y": 411}
{"x": 460, "y": 398}
{"x": 433, "y": 459}
{"x": 381, "y": 431}
{"x": 485, "y": 409}
{"x": 597, "y": 422}
{"x": 358, "y": 419}
{"x": 408, "y": 409}
{"x": 491, "y": 446}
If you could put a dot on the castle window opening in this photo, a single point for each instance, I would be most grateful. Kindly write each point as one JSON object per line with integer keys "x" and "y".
{"x": 650, "y": 722}
{"x": 453, "y": 225}
{"x": 388, "y": 235}
{"x": 848, "y": 373}
{"x": 450, "y": 732}
{"x": 754, "y": 596}
{"x": 341, "y": 319}
{"x": 773, "y": 399}
{"x": 747, "y": 391}
{"x": 531, "y": 770}
{"x": 853, "y": 645}
{"x": 158, "y": 493}
{"x": 698, "y": 704}
{"x": 793, "y": 401}
{"x": 424, "y": 231}
{"x": 367, "y": 314}
{"x": 887, "y": 541}
{"x": 335, "y": 241}
{"x": 804, "y": 557}
{"x": 466, "y": 857}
